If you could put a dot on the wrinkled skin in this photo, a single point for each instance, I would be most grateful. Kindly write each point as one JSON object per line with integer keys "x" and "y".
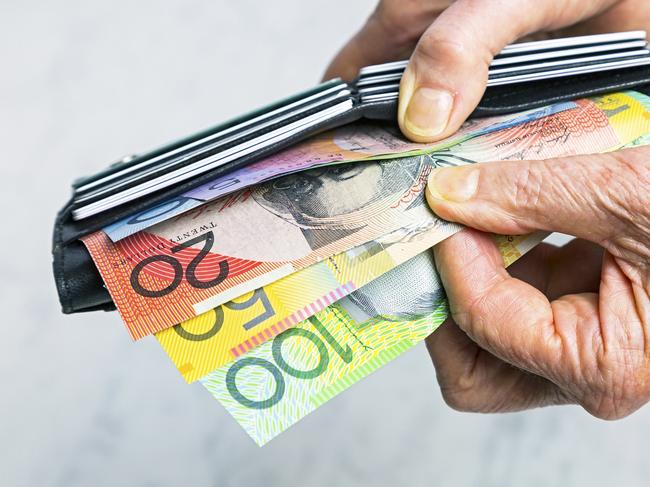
{"x": 567, "y": 325}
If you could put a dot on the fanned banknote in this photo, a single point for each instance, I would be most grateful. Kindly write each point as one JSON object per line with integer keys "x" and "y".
{"x": 183, "y": 268}
{"x": 201, "y": 344}
{"x": 645, "y": 140}
{"x": 353, "y": 142}
{"x": 275, "y": 385}
{"x": 179, "y": 269}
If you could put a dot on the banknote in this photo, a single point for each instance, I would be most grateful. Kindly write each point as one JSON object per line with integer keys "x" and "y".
{"x": 196, "y": 348}
{"x": 278, "y": 383}
{"x": 182, "y": 268}
{"x": 275, "y": 385}
{"x": 350, "y": 143}
{"x": 645, "y": 140}
{"x": 179, "y": 269}
{"x": 203, "y": 343}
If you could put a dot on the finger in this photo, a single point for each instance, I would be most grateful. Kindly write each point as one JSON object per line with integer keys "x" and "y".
{"x": 472, "y": 379}
{"x": 595, "y": 197}
{"x": 505, "y": 316}
{"x": 626, "y": 15}
{"x": 447, "y": 73}
{"x": 389, "y": 34}
{"x": 594, "y": 347}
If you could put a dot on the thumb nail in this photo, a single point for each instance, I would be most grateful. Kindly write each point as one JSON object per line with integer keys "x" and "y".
{"x": 428, "y": 112}
{"x": 454, "y": 184}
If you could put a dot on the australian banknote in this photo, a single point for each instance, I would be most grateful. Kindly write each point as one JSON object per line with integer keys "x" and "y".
{"x": 275, "y": 385}
{"x": 201, "y": 344}
{"x": 178, "y": 269}
{"x": 182, "y": 268}
{"x": 641, "y": 141}
{"x": 350, "y": 143}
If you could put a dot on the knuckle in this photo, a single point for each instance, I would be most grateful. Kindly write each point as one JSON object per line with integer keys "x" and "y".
{"x": 610, "y": 409}
{"x": 404, "y": 20}
{"x": 623, "y": 195}
{"x": 459, "y": 390}
{"x": 621, "y": 177}
{"x": 441, "y": 52}
{"x": 528, "y": 186}
{"x": 461, "y": 400}
{"x": 621, "y": 388}
{"x": 463, "y": 393}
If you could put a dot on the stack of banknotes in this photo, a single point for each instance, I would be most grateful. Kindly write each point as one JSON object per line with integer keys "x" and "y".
{"x": 282, "y": 284}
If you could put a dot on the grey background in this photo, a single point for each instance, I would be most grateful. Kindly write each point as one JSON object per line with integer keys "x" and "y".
{"x": 83, "y": 83}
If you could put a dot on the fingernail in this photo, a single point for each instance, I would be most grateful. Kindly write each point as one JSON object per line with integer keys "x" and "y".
{"x": 455, "y": 184}
{"x": 428, "y": 112}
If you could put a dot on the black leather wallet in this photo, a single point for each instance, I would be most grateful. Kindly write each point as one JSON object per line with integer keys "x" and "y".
{"x": 126, "y": 188}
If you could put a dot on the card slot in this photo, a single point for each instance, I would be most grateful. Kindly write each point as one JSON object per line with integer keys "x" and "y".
{"x": 568, "y": 72}
{"x": 569, "y": 42}
{"x": 378, "y": 89}
{"x": 605, "y": 41}
{"x": 496, "y": 71}
{"x": 519, "y": 63}
{"x": 635, "y": 54}
{"x": 380, "y": 97}
{"x": 382, "y": 68}
{"x": 218, "y": 146}
{"x": 213, "y": 137}
{"x": 204, "y": 133}
{"x": 384, "y": 78}
{"x": 185, "y": 173}
{"x": 565, "y": 53}
{"x": 378, "y": 93}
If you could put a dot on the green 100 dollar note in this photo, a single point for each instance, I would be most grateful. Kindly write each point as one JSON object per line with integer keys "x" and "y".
{"x": 275, "y": 385}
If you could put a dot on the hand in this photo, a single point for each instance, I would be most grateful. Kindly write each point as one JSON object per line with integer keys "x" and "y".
{"x": 575, "y": 321}
{"x": 566, "y": 325}
{"x": 454, "y": 46}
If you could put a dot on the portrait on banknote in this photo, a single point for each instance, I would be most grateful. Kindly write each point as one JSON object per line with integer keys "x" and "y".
{"x": 343, "y": 198}
{"x": 379, "y": 300}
